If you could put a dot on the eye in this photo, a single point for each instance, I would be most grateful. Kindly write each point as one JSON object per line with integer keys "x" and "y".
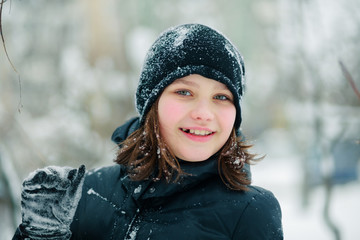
{"x": 222, "y": 97}
{"x": 183, "y": 92}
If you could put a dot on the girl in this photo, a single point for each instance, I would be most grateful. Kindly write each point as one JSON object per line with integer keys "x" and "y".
{"x": 182, "y": 169}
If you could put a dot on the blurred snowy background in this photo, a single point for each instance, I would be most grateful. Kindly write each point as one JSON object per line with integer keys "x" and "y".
{"x": 79, "y": 62}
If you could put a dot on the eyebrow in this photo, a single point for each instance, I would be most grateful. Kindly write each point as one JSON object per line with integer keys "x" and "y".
{"x": 222, "y": 86}
{"x": 183, "y": 81}
{"x": 219, "y": 86}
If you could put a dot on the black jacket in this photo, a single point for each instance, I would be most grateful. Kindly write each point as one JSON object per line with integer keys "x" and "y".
{"x": 199, "y": 207}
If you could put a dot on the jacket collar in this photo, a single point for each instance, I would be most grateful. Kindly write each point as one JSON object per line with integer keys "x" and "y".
{"x": 196, "y": 172}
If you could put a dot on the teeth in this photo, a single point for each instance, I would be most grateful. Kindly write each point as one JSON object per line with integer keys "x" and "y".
{"x": 197, "y": 132}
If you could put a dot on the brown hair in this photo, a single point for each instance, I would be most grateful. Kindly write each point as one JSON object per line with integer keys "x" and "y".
{"x": 146, "y": 155}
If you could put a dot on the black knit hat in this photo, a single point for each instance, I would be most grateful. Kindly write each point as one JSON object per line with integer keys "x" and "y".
{"x": 190, "y": 49}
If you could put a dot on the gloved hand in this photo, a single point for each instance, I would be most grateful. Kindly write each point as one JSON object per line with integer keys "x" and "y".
{"x": 49, "y": 200}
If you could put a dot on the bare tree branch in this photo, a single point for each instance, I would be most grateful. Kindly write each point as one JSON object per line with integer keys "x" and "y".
{"x": 326, "y": 211}
{"x": 349, "y": 78}
{"x": 7, "y": 55}
{"x": 2, "y": 37}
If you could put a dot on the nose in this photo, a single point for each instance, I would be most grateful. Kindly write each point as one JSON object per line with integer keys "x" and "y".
{"x": 202, "y": 111}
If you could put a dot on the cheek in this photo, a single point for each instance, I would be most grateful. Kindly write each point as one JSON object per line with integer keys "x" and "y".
{"x": 227, "y": 117}
{"x": 169, "y": 112}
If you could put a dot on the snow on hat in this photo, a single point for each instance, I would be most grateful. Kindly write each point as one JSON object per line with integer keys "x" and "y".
{"x": 190, "y": 49}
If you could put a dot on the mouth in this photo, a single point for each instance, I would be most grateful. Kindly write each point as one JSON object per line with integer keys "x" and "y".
{"x": 197, "y": 132}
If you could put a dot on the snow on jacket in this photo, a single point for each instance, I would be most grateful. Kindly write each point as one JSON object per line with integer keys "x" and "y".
{"x": 199, "y": 207}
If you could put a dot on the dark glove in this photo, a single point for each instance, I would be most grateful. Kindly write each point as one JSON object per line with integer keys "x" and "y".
{"x": 49, "y": 200}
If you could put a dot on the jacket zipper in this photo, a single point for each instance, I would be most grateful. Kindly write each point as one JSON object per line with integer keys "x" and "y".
{"x": 132, "y": 230}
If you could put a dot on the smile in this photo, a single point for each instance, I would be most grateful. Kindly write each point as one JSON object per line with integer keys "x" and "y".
{"x": 197, "y": 132}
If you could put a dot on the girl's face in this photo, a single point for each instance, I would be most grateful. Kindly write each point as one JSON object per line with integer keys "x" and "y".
{"x": 196, "y": 116}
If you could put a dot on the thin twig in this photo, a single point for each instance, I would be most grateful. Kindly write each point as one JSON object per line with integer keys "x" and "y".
{"x": 3, "y": 39}
{"x": 329, "y": 186}
{"x": 349, "y": 78}
{"x": 7, "y": 56}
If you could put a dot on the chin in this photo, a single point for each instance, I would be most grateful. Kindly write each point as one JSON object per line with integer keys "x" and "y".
{"x": 196, "y": 157}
